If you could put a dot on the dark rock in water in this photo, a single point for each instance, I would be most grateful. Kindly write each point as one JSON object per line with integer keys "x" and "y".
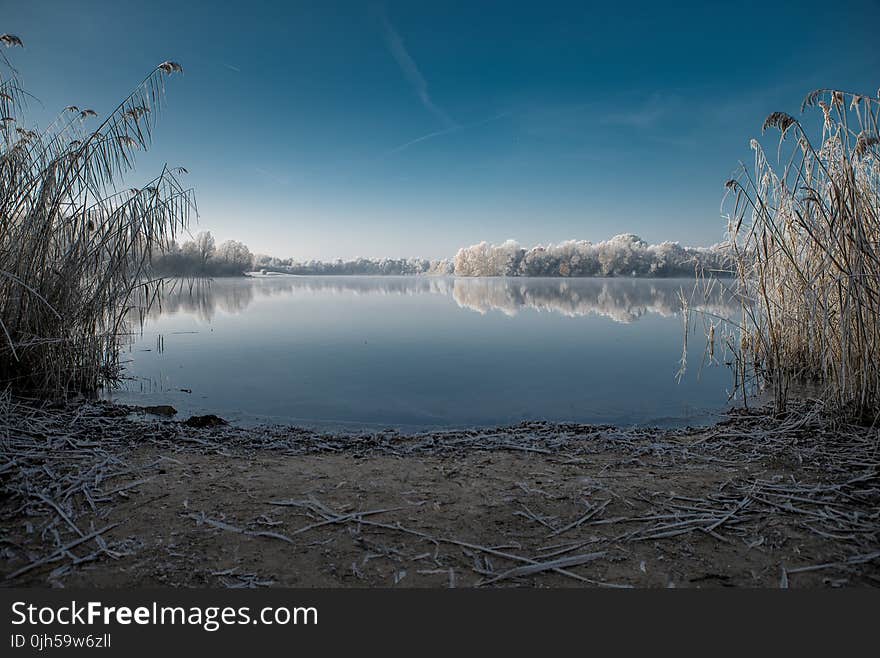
{"x": 161, "y": 410}
{"x": 210, "y": 420}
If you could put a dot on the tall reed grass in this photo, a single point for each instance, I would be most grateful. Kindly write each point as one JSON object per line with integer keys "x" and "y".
{"x": 806, "y": 236}
{"x": 74, "y": 244}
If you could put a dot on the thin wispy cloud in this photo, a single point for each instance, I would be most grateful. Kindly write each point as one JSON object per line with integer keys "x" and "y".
{"x": 232, "y": 68}
{"x": 643, "y": 114}
{"x": 641, "y": 118}
{"x": 272, "y": 177}
{"x": 646, "y": 114}
{"x": 423, "y": 138}
{"x": 445, "y": 131}
{"x": 412, "y": 73}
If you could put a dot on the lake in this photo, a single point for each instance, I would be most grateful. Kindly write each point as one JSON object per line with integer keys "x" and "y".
{"x": 347, "y": 353}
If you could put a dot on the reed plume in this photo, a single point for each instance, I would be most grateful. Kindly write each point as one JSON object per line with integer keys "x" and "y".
{"x": 806, "y": 234}
{"x": 73, "y": 247}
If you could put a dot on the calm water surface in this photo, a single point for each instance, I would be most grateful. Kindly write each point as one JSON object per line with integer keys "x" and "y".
{"x": 425, "y": 352}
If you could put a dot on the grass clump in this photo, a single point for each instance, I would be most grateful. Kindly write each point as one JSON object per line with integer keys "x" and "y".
{"x": 74, "y": 244}
{"x": 806, "y": 237}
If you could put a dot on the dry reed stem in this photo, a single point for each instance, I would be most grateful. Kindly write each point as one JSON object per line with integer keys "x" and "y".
{"x": 806, "y": 235}
{"x": 74, "y": 245}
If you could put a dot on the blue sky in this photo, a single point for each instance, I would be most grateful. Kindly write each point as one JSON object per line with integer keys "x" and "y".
{"x": 344, "y": 129}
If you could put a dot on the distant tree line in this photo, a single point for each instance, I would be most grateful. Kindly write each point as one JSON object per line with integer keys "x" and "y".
{"x": 624, "y": 255}
{"x": 362, "y": 266}
{"x": 201, "y": 256}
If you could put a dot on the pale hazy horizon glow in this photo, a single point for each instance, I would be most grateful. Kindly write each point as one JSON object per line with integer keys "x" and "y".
{"x": 316, "y": 130}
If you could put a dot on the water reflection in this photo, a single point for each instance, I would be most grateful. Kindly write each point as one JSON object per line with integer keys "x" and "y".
{"x": 620, "y": 300}
{"x": 423, "y": 351}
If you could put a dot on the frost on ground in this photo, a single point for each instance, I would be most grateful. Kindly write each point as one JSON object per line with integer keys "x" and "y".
{"x": 96, "y": 495}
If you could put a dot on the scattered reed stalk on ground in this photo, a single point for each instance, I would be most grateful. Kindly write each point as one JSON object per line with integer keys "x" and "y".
{"x": 74, "y": 245}
{"x": 806, "y": 238}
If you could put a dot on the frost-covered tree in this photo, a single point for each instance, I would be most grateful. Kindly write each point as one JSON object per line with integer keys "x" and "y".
{"x": 623, "y": 255}
{"x": 203, "y": 247}
{"x": 232, "y": 258}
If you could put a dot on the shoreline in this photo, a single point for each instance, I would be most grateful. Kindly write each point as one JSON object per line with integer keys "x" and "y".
{"x": 95, "y": 497}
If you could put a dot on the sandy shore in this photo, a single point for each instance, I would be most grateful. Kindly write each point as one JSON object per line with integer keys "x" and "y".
{"x": 97, "y": 496}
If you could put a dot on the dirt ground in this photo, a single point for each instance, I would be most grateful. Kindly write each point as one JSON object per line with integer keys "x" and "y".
{"x": 544, "y": 506}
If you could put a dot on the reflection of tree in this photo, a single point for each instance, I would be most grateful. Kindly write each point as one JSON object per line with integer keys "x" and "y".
{"x": 622, "y": 300}
{"x": 199, "y": 297}
{"x": 358, "y": 285}
{"x": 204, "y": 297}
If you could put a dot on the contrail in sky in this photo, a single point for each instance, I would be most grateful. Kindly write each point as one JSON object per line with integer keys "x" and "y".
{"x": 412, "y": 73}
{"x": 445, "y": 131}
{"x": 423, "y": 138}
